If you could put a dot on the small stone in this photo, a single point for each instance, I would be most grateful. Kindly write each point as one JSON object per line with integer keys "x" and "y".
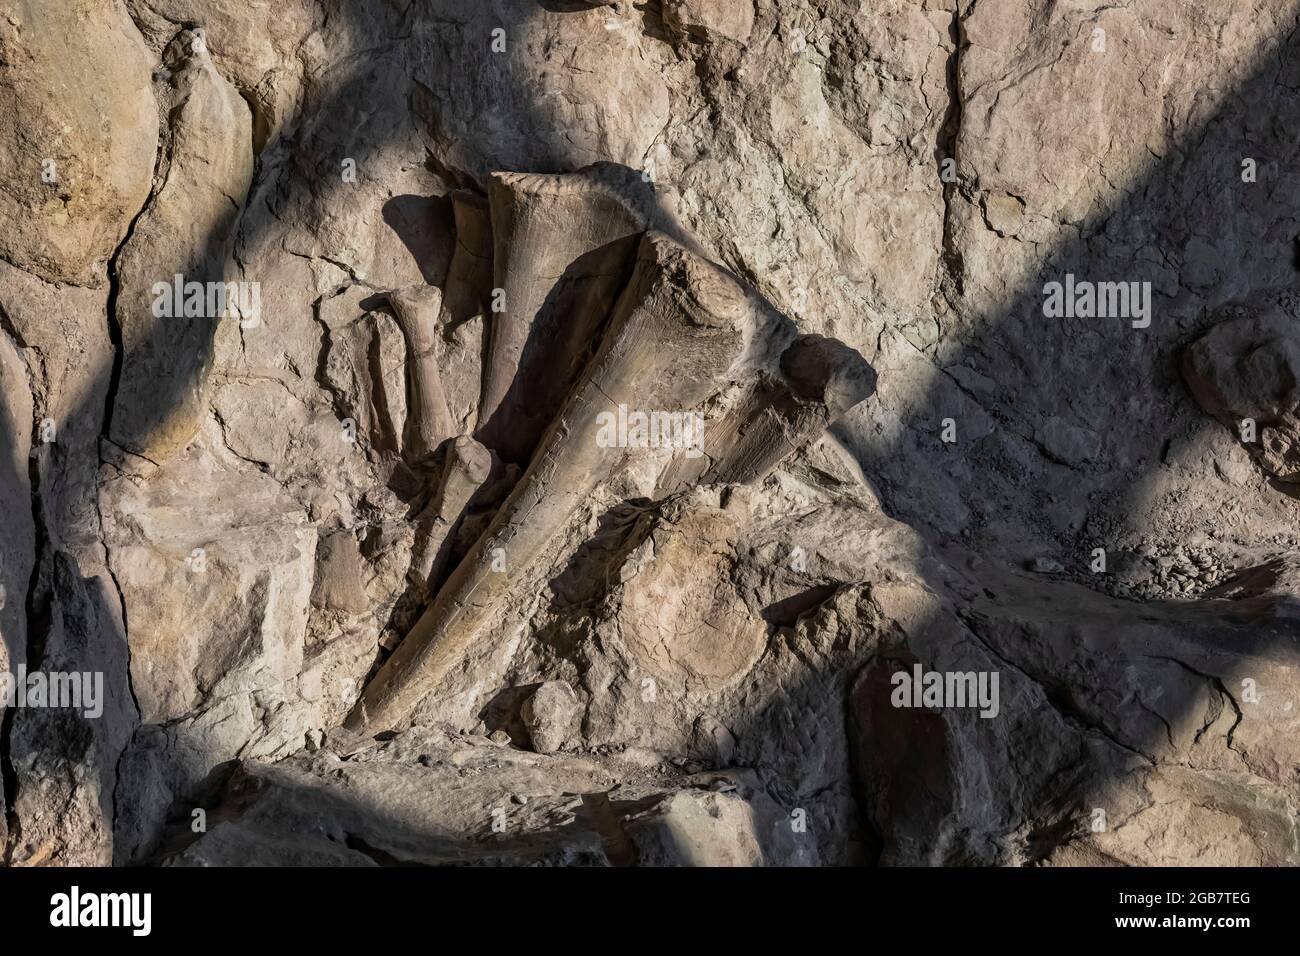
{"x": 518, "y": 798}
{"x": 1046, "y": 566}
{"x": 499, "y": 737}
{"x": 550, "y": 715}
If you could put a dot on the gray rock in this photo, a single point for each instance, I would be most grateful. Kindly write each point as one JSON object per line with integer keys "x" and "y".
{"x": 1247, "y": 370}
{"x": 550, "y": 715}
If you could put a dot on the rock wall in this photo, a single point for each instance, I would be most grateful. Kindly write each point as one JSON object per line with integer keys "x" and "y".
{"x": 310, "y": 307}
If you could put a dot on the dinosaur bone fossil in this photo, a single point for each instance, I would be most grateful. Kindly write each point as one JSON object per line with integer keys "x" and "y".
{"x": 469, "y": 274}
{"x": 429, "y": 423}
{"x": 683, "y": 335}
{"x": 563, "y": 247}
{"x": 816, "y": 381}
{"x": 467, "y": 467}
{"x": 676, "y": 336}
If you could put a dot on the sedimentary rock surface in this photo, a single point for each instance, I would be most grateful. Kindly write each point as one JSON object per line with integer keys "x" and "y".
{"x": 746, "y": 432}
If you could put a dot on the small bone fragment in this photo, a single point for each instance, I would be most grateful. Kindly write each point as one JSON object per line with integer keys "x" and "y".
{"x": 428, "y": 421}
{"x": 468, "y": 466}
{"x": 677, "y": 331}
{"x": 564, "y": 245}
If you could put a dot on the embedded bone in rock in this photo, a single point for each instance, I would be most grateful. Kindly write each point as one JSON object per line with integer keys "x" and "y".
{"x": 1246, "y": 373}
{"x": 819, "y": 381}
{"x": 175, "y": 283}
{"x": 909, "y": 178}
{"x": 564, "y": 244}
{"x": 678, "y": 329}
{"x": 428, "y": 421}
{"x": 338, "y": 584}
{"x": 467, "y": 467}
{"x": 469, "y": 275}
{"x": 421, "y": 798}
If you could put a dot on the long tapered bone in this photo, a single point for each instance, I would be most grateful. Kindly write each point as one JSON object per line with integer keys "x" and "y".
{"x": 468, "y": 466}
{"x": 469, "y": 275}
{"x": 428, "y": 421}
{"x": 818, "y": 380}
{"x": 677, "y": 332}
{"x": 563, "y": 247}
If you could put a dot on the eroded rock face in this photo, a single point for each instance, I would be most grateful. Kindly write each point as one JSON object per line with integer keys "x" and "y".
{"x": 173, "y": 269}
{"x": 1246, "y": 373}
{"x": 220, "y": 604}
{"x": 638, "y": 397}
{"x": 431, "y": 799}
{"x": 77, "y": 107}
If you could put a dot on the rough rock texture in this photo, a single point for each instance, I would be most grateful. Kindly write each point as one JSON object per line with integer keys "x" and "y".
{"x": 550, "y": 716}
{"x": 1246, "y": 373}
{"x": 366, "y": 585}
{"x": 78, "y": 111}
{"x": 185, "y": 230}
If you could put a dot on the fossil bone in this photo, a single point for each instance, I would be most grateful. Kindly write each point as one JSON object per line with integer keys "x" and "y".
{"x": 817, "y": 381}
{"x": 468, "y": 466}
{"x": 429, "y": 423}
{"x": 677, "y": 334}
{"x": 469, "y": 275}
{"x": 564, "y": 245}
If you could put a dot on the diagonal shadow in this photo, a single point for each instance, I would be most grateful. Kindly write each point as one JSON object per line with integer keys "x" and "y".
{"x": 1192, "y": 188}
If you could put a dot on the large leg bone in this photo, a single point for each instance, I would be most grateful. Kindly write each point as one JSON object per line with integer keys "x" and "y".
{"x": 428, "y": 423}
{"x": 676, "y": 333}
{"x": 467, "y": 468}
{"x": 563, "y": 247}
{"x": 819, "y": 380}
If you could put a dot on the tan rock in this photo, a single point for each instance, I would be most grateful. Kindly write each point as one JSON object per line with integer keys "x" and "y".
{"x": 76, "y": 100}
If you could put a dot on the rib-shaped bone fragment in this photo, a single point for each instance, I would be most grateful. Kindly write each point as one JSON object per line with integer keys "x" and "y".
{"x": 428, "y": 421}
{"x": 817, "y": 381}
{"x": 469, "y": 275}
{"x": 563, "y": 247}
{"x": 467, "y": 467}
{"x": 676, "y": 333}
